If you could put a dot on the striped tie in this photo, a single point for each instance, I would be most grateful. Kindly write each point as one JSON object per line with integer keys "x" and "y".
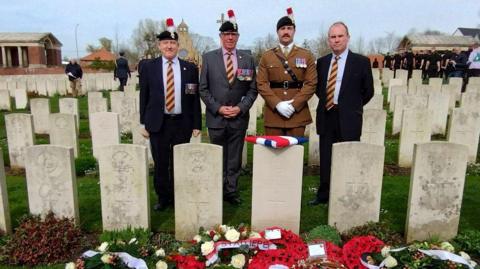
{"x": 332, "y": 80}
{"x": 230, "y": 68}
{"x": 170, "y": 97}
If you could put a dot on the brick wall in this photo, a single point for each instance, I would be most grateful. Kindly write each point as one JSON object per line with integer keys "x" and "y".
{"x": 36, "y": 55}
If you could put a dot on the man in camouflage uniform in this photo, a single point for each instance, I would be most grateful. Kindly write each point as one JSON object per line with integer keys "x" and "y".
{"x": 286, "y": 79}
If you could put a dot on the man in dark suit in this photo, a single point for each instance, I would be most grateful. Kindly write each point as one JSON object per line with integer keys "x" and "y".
{"x": 169, "y": 109}
{"x": 228, "y": 89}
{"x": 122, "y": 71}
{"x": 345, "y": 86}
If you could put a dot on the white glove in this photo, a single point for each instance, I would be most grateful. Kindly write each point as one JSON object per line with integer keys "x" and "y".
{"x": 285, "y": 108}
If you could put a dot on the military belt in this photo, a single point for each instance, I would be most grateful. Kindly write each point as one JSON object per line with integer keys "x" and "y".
{"x": 286, "y": 84}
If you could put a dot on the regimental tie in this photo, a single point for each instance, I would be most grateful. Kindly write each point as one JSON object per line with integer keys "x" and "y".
{"x": 170, "y": 97}
{"x": 230, "y": 73}
{"x": 332, "y": 80}
{"x": 285, "y": 51}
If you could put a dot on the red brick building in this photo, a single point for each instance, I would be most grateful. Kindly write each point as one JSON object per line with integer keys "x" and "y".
{"x": 30, "y": 50}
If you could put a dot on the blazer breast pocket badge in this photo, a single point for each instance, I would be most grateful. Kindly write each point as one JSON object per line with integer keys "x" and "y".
{"x": 301, "y": 62}
{"x": 191, "y": 88}
{"x": 244, "y": 74}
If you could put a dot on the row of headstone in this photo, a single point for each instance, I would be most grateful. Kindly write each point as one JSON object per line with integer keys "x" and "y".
{"x": 437, "y": 182}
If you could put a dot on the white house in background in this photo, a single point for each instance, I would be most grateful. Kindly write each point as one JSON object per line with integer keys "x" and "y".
{"x": 473, "y": 32}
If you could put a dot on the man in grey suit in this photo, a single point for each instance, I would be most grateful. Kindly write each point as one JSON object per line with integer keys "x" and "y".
{"x": 228, "y": 89}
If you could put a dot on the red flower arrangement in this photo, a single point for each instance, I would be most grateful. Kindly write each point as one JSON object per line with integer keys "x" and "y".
{"x": 291, "y": 249}
{"x": 353, "y": 250}
{"x": 188, "y": 262}
{"x": 334, "y": 252}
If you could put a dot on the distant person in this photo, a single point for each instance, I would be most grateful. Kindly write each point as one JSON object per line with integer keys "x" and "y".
{"x": 74, "y": 73}
{"x": 433, "y": 64}
{"x": 456, "y": 64}
{"x": 375, "y": 63}
{"x": 409, "y": 62}
{"x": 122, "y": 71}
{"x": 474, "y": 61}
{"x": 397, "y": 63}
{"x": 387, "y": 62}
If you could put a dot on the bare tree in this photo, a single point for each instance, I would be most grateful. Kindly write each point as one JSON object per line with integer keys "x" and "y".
{"x": 359, "y": 45}
{"x": 202, "y": 43}
{"x": 105, "y": 43}
{"x": 144, "y": 37}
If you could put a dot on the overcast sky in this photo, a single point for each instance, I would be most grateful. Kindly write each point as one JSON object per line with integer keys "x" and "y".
{"x": 256, "y": 18}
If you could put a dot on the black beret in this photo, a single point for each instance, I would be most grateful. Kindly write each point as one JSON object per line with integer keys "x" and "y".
{"x": 167, "y": 35}
{"x": 284, "y": 21}
{"x": 228, "y": 26}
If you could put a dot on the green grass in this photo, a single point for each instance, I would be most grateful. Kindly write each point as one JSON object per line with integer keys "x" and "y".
{"x": 393, "y": 203}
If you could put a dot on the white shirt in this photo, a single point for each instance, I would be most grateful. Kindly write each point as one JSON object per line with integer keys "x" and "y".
{"x": 289, "y": 46}
{"x": 177, "y": 82}
{"x": 474, "y": 59}
{"x": 340, "y": 68}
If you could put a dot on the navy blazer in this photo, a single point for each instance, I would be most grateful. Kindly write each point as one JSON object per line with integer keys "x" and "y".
{"x": 356, "y": 91}
{"x": 152, "y": 96}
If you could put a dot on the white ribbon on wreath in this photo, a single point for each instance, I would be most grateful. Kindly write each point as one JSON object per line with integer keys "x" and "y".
{"x": 129, "y": 260}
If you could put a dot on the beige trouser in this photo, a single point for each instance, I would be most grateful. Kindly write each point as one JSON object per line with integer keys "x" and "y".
{"x": 76, "y": 86}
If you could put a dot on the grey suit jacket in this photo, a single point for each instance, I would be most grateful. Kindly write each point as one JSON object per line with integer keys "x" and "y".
{"x": 215, "y": 90}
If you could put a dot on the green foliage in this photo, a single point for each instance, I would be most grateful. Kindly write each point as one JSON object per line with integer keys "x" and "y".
{"x": 166, "y": 241}
{"x": 473, "y": 169}
{"x": 469, "y": 241}
{"x": 85, "y": 165}
{"x": 324, "y": 232}
{"x": 102, "y": 65}
{"x": 135, "y": 242}
{"x": 380, "y": 230}
{"x": 38, "y": 241}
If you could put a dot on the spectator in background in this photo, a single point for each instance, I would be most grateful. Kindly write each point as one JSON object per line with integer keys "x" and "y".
{"x": 122, "y": 71}
{"x": 433, "y": 64}
{"x": 74, "y": 73}
{"x": 456, "y": 64}
{"x": 474, "y": 61}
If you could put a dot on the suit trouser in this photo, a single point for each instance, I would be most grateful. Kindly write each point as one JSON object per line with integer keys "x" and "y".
{"x": 123, "y": 82}
{"x": 297, "y": 131}
{"x": 162, "y": 143}
{"x": 232, "y": 141}
{"x": 331, "y": 135}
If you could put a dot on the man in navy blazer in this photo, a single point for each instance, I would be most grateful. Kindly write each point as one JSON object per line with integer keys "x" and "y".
{"x": 345, "y": 85}
{"x": 169, "y": 109}
{"x": 228, "y": 89}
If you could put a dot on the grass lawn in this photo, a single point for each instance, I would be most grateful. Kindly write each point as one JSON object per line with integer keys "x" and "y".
{"x": 393, "y": 205}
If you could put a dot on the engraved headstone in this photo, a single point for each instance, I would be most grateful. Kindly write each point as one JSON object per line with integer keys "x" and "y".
{"x": 21, "y": 99}
{"x": 63, "y": 131}
{"x": 436, "y": 83}
{"x": 97, "y": 105}
{"x": 393, "y": 82}
{"x": 104, "y": 129}
{"x": 356, "y": 185}
{"x": 438, "y": 105}
{"x": 416, "y": 128}
{"x": 198, "y": 188}
{"x": 464, "y": 128}
{"x": 313, "y": 145}
{"x": 126, "y": 109}
{"x": 40, "y": 109}
{"x": 406, "y": 102}
{"x": 436, "y": 190}
{"x": 51, "y": 181}
{"x": 277, "y": 187}
{"x": 5, "y": 223}
{"x": 396, "y": 90}
{"x": 471, "y": 101}
{"x": 124, "y": 187}
{"x": 252, "y": 122}
{"x": 375, "y": 103}
{"x": 373, "y": 127}
{"x": 70, "y": 106}
{"x": 19, "y": 135}
{"x": 5, "y": 103}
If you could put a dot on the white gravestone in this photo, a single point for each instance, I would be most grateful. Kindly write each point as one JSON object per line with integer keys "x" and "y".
{"x": 393, "y": 82}
{"x": 104, "y": 129}
{"x": 70, "y": 106}
{"x": 436, "y": 190}
{"x": 396, "y": 90}
{"x": 373, "y": 127}
{"x": 416, "y": 128}
{"x": 356, "y": 188}
{"x": 124, "y": 187}
{"x": 464, "y": 128}
{"x": 406, "y": 102}
{"x": 375, "y": 103}
{"x": 277, "y": 187}
{"x": 40, "y": 109}
{"x": 63, "y": 131}
{"x": 198, "y": 188}
{"x": 5, "y": 223}
{"x": 51, "y": 181}
{"x": 97, "y": 105}
{"x": 19, "y": 135}
{"x": 313, "y": 145}
{"x": 438, "y": 105}
{"x": 21, "y": 99}
{"x": 5, "y": 103}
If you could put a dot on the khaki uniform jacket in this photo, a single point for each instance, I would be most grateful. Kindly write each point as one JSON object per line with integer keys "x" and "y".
{"x": 271, "y": 69}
